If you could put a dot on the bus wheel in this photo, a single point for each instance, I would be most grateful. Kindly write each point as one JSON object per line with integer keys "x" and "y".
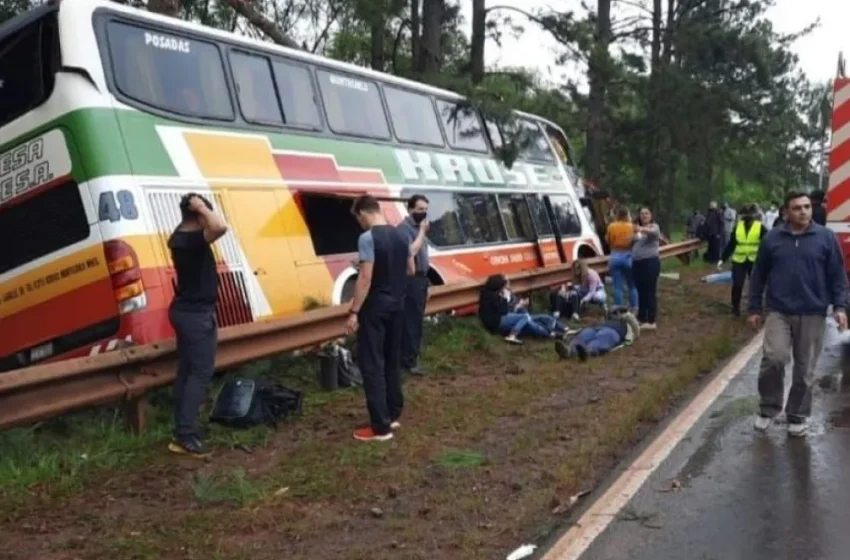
{"x": 348, "y": 290}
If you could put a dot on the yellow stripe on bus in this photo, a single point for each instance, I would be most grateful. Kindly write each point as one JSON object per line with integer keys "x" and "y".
{"x": 60, "y": 276}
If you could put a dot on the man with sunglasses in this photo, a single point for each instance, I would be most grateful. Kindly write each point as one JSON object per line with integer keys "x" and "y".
{"x": 801, "y": 266}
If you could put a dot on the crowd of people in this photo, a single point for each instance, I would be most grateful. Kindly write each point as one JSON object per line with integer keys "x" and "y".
{"x": 787, "y": 254}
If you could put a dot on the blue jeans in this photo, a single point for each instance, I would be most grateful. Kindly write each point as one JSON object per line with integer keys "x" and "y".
{"x": 620, "y": 266}
{"x": 525, "y": 324}
{"x": 599, "y": 296}
{"x": 597, "y": 340}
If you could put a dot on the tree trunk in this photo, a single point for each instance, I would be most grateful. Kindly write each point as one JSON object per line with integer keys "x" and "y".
{"x": 415, "y": 33}
{"x": 476, "y": 57}
{"x": 598, "y": 77}
{"x": 377, "y": 32}
{"x": 430, "y": 53}
{"x": 657, "y": 148}
{"x": 165, "y": 7}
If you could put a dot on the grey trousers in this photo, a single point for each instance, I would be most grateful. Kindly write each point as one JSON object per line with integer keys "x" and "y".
{"x": 787, "y": 336}
{"x": 197, "y": 338}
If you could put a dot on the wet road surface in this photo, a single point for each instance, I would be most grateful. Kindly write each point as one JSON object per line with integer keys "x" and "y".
{"x": 729, "y": 493}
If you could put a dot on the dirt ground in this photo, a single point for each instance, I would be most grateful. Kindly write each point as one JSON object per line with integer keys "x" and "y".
{"x": 494, "y": 443}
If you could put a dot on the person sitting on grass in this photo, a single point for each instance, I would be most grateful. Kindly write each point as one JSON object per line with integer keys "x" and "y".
{"x": 621, "y": 329}
{"x": 589, "y": 286}
{"x": 501, "y": 313}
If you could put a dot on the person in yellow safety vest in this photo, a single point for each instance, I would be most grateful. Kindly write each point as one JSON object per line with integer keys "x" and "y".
{"x": 743, "y": 247}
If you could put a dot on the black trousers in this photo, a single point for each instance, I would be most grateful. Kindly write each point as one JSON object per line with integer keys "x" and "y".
{"x": 197, "y": 338}
{"x": 379, "y": 357}
{"x": 565, "y": 304}
{"x": 645, "y": 272}
{"x": 740, "y": 272}
{"x": 415, "y": 299}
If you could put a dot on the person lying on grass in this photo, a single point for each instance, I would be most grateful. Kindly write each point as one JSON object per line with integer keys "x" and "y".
{"x": 620, "y": 329}
{"x": 502, "y": 313}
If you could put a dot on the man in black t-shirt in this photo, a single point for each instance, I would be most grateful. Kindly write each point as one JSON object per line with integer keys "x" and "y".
{"x": 192, "y": 315}
{"x": 377, "y": 311}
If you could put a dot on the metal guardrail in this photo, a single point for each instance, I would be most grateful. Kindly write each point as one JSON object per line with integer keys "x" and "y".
{"x": 127, "y": 375}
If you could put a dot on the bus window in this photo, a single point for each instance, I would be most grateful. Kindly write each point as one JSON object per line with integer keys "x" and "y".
{"x": 480, "y": 218}
{"x": 536, "y": 146}
{"x": 60, "y": 222}
{"x": 462, "y": 126}
{"x": 539, "y": 215}
{"x": 516, "y": 216}
{"x": 29, "y": 59}
{"x": 566, "y": 216}
{"x": 413, "y": 117}
{"x": 255, "y": 89}
{"x": 169, "y": 72}
{"x": 495, "y": 134}
{"x": 333, "y": 229}
{"x": 559, "y": 142}
{"x": 353, "y": 106}
{"x": 295, "y": 88}
{"x": 445, "y": 229}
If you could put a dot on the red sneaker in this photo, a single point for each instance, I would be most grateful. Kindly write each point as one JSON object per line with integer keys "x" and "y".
{"x": 368, "y": 434}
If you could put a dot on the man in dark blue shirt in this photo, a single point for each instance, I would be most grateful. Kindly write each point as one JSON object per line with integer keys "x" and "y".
{"x": 414, "y": 228}
{"x": 192, "y": 315}
{"x": 801, "y": 266}
{"x": 377, "y": 315}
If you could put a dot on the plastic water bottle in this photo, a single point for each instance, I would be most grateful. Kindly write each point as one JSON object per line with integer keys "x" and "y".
{"x": 719, "y": 278}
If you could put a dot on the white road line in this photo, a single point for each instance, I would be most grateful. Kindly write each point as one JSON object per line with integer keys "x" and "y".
{"x": 579, "y": 538}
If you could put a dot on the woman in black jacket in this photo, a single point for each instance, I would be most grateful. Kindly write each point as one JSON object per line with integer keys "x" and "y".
{"x": 501, "y": 313}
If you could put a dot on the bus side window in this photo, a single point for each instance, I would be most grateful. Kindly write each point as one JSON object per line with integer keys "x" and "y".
{"x": 169, "y": 72}
{"x": 413, "y": 117}
{"x": 255, "y": 89}
{"x": 562, "y": 147}
{"x": 569, "y": 223}
{"x": 536, "y": 146}
{"x": 516, "y": 216}
{"x": 445, "y": 229}
{"x": 481, "y": 218}
{"x": 353, "y": 106}
{"x": 297, "y": 96}
{"x": 539, "y": 215}
{"x": 462, "y": 126}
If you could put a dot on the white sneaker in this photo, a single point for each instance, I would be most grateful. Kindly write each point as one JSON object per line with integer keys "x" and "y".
{"x": 762, "y": 423}
{"x": 576, "y": 318}
{"x": 648, "y": 326}
{"x": 798, "y": 430}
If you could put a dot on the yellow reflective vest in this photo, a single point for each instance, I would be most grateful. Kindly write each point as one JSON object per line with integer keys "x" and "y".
{"x": 746, "y": 242}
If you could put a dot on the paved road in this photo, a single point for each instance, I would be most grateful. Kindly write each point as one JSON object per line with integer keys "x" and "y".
{"x": 728, "y": 493}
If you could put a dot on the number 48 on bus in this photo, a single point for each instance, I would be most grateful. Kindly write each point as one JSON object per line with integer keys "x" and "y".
{"x": 113, "y": 207}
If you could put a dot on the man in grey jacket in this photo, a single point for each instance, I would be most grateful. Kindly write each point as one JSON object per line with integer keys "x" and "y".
{"x": 801, "y": 266}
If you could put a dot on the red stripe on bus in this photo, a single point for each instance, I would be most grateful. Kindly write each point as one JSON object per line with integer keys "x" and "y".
{"x": 841, "y": 115}
{"x": 306, "y": 168}
{"x": 838, "y": 196}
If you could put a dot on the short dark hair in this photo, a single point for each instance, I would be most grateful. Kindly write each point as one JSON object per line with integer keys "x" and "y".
{"x": 366, "y": 204}
{"x": 792, "y": 195}
{"x": 817, "y": 196}
{"x": 411, "y": 202}
{"x": 622, "y": 213}
{"x": 185, "y": 211}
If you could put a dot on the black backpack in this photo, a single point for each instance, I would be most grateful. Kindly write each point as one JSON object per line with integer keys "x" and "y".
{"x": 243, "y": 403}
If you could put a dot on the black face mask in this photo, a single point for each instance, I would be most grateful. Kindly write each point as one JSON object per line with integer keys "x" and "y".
{"x": 418, "y": 217}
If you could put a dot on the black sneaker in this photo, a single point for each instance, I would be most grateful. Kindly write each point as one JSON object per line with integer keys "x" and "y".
{"x": 191, "y": 446}
{"x": 563, "y": 350}
{"x": 582, "y": 352}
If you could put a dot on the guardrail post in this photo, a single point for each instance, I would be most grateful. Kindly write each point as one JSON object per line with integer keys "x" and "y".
{"x": 136, "y": 413}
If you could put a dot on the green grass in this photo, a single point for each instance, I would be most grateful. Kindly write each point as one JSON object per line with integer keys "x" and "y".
{"x": 455, "y": 460}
